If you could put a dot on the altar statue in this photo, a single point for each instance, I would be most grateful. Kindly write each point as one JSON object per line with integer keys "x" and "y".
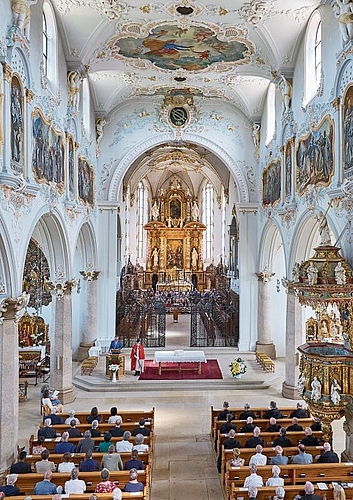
{"x": 301, "y": 384}
{"x": 312, "y": 273}
{"x": 335, "y": 392}
{"x": 316, "y": 390}
{"x": 154, "y": 257}
{"x": 195, "y": 211}
{"x": 155, "y": 210}
{"x": 194, "y": 257}
{"x": 324, "y": 230}
{"x": 340, "y": 274}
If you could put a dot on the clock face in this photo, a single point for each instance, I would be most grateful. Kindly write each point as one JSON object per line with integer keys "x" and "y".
{"x": 178, "y": 116}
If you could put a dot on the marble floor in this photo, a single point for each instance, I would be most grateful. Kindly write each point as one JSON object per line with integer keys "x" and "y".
{"x": 184, "y": 465}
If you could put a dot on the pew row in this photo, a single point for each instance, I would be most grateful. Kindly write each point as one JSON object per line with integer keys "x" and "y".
{"x": 267, "y": 493}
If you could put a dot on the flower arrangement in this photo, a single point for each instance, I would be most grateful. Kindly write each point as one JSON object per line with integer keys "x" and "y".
{"x": 237, "y": 367}
{"x": 114, "y": 367}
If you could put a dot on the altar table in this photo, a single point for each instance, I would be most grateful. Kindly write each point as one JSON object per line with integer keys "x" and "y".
{"x": 179, "y": 357}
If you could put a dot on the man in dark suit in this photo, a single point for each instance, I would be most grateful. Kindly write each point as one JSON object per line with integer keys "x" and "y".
{"x": 85, "y": 444}
{"x": 227, "y": 426}
{"x": 116, "y": 344}
{"x": 295, "y": 426}
{"x": 300, "y": 412}
{"x": 228, "y": 444}
{"x": 328, "y": 455}
{"x": 282, "y": 439}
{"x": 249, "y": 426}
{"x": 224, "y": 412}
{"x": 255, "y": 440}
{"x": 89, "y": 464}
{"x": 273, "y": 411}
{"x": 309, "y": 492}
{"x": 141, "y": 429}
{"x": 273, "y": 427}
{"x": 247, "y": 413}
{"x": 117, "y": 431}
{"x": 134, "y": 463}
{"x": 21, "y": 467}
{"x": 73, "y": 432}
{"x": 48, "y": 432}
{"x": 309, "y": 439}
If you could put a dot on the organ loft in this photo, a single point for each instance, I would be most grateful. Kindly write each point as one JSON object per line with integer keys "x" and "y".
{"x": 175, "y": 240}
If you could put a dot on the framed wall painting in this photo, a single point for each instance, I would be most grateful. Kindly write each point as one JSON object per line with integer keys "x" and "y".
{"x": 347, "y": 133}
{"x": 71, "y": 167}
{"x": 271, "y": 183}
{"x": 17, "y": 132}
{"x": 314, "y": 159}
{"x": 85, "y": 175}
{"x": 288, "y": 169}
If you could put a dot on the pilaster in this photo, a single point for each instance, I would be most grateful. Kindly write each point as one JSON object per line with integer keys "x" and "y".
{"x": 89, "y": 327}
{"x": 264, "y": 340}
{"x": 293, "y": 339}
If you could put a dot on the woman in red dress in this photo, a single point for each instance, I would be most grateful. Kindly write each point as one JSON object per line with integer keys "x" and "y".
{"x": 137, "y": 357}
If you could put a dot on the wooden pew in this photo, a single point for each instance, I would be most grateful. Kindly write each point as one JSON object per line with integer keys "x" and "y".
{"x": 27, "y": 482}
{"x": 103, "y": 427}
{"x": 86, "y": 496}
{"x": 268, "y": 437}
{"x": 265, "y": 362}
{"x": 145, "y": 456}
{"x": 51, "y": 443}
{"x": 126, "y": 415}
{"x": 293, "y": 474}
{"x": 266, "y": 492}
{"x": 259, "y": 412}
{"x": 261, "y": 422}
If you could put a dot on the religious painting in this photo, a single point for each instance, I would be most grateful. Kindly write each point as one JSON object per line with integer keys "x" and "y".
{"x": 271, "y": 183}
{"x": 175, "y": 208}
{"x": 85, "y": 182}
{"x": 175, "y": 254}
{"x": 314, "y": 157}
{"x": 17, "y": 126}
{"x": 71, "y": 166}
{"x": 347, "y": 133}
{"x": 288, "y": 168}
{"x": 36, "y": 276}
{"x": 192, "y": 48}
{"x": 48, "y": 152}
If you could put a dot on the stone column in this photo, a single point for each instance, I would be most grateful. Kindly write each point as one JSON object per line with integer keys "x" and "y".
{"x": 61, "y": 342}
{"x": 10, "y": 310}
{"x": 264, "y": 339}
{"x": 347, "y": 454}
{"x": 293, "y": 339}
{"x": 89, "y": 328}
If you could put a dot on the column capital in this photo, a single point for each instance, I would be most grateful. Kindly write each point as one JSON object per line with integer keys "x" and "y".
{"x": 61, "y": 288}
{"x": 7, "y": 70}
{"x": 265, "y": 275}
{"x": 12, "y": 308}
{"x": 90, "y": 275}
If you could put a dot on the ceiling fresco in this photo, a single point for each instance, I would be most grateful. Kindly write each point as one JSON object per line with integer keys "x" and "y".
{"x": 171, "y": 47}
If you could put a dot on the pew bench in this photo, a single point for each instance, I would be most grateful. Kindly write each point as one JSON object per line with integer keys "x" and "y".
{"x": 103, "y": 427}
{"x": 85, "y": 496}
{"x": 126, "y": 415}
{"x": 27, "y": 482}
{"x": 265, "y": 362}
{"x": 267, "y": 492}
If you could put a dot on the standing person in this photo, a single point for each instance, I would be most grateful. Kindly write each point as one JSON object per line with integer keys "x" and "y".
{"x": 137, "y": 357}
{"x": 116, "y": 344}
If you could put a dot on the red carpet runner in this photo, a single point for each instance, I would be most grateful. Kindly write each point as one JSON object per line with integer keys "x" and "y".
{"x": 209, "y": 370}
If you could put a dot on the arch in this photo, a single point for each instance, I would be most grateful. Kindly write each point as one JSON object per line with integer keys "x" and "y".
{"x": 8, "y": 268}
{"x": 266, "y": 245}
{"x": 86, "y": 242}
{"x": 144, "y": 146}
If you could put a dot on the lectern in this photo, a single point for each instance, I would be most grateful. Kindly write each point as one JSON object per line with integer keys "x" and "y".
{"x": 116, "y": 358}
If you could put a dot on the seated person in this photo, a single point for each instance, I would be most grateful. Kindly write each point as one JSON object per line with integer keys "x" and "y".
{"x": 255, "y": 440}
{"x": 223, "y": 414}
{"x": 302, "y": 457}
{"x": 258, "y": 458}
{"x": 273, "y": 427}
{"x": 316, "y": 425}
{"x": 64, "y": 446}
{"x": 21, "y": 467}
{"x": 94, "y": 429}
{"x": 105, "y": 486}
{"x": 125, "y": 444}
{"x": 50, "y": 403}
{"x": 273, "y": 411}
{"x": 309, "y": 492}
{"x": 247, "y": 413}
{"x": 141, "y": 429}
{"x": 295, "y": 426}
{"x": 309, "y": 439}
{"x": 254, "y": 479}
{"x": 66, "y": 464}
{"x": 112, "y": 460}
{"x": 44, "y": 464}
{"x": 300, "y": 412}
{"x": 139, "y": 446}
{"x": 103, "y": 447}
{"x": 328, "y": 455}
{"x": 282, "y": 439}
{"x": 249, "y": 426}
{"x": 45, "y": 487}
{"x": 116, "y": 344}
{"x": 85, "y": 444}
{"x": 48, "y": 432}
{"x": 75, "y": 485}
{"x": 133, "y": 485}
{"x": 54, "y": 418}
{"x": 10, "y": 490}
{"x": 236, "y": 461}
{"x": 73, "y": 432}
{"x": 227, "y": 426}
{"x": 114, "y": 415}
{"x": 228, "y": 444}
{"x": 94, "y": 415}
{"x": 39, "y": 447}
{"x": 72, "y": 417}
{"x": 117, "y": 431}
{"x": 279, "y": 459}
{"x": 89, "y": 464}
{"x": 275, "y": 480}
{"x": 134, "y": 463}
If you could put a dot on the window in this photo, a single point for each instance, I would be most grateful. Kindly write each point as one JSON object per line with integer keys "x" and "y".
{"x": 86, "y": 106}
{"x": 208, "y": 203}
{"x": 312, "y": 58}
{"x": 140, "y": 216}
{"x": 271, "y": 113}
{"x": 49, "y": 40}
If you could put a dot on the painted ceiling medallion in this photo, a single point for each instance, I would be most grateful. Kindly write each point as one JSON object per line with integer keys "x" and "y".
{"x": 192, "y": 48}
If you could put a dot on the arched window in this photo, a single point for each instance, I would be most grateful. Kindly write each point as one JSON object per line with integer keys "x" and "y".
{"x": 271, "y": 113}
{"x": 49, "y": 39}
{"x": 312, "y": 58}
{"x": 209, "y": 221}
{"x": 140, "y": 218}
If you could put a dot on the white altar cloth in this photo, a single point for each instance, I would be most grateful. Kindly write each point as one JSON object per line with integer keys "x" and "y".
{"x": 179, "y": 356}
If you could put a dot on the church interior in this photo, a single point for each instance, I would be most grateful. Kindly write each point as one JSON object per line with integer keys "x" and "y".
{"x": 178, "y": 172}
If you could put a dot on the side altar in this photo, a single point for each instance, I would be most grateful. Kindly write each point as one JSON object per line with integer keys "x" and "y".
{"x": 174, "y": 241}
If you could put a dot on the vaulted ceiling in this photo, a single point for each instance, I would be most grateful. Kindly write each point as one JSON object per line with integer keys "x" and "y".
{"x": 228, "y": 49}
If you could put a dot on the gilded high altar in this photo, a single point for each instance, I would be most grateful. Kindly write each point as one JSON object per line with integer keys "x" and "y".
{"x": 174, "y": 240}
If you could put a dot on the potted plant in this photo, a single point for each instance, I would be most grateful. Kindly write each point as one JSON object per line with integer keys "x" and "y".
{"x": 237, "y": 367}
{"x": 113, "y": 368}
